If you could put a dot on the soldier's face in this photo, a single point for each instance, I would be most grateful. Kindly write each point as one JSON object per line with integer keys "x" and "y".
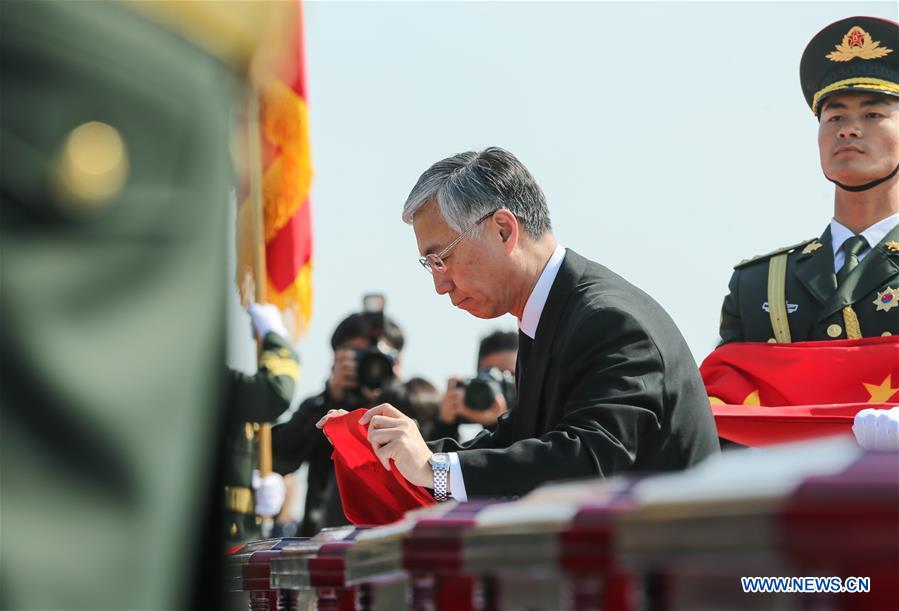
{"x": 858, "y": 137}
{"x": 474, "y": 276}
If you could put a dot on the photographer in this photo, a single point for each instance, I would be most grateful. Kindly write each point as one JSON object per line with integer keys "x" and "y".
{"x": 485, "y": 397}
{"x": 365, "y": 372}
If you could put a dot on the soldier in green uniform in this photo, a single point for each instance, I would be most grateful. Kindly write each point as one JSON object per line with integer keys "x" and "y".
{"x": 257, "y": 398}
{"x": 115, "y": 133}
{"x": 844, "y": 284}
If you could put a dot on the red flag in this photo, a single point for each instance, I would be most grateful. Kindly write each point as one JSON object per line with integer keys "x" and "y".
{"x": 371, "y": 495}
{"x": 770, "y": 393}
{"x": 286, "y": 183}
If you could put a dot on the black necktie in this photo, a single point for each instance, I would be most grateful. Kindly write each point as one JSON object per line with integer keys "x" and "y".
{"x": 851, "y": 247}
{"x": 524, "y": 351}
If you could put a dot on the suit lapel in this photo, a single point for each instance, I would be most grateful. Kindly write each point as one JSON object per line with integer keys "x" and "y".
{"x": 814, "y": 269}
{"x": 535, "y": 370}
{"x": 871, "y": 272}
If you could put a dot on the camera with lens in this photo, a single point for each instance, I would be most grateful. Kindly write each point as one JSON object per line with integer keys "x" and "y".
{"x": 374, "y": 364}
{"x": 481, "y": 391}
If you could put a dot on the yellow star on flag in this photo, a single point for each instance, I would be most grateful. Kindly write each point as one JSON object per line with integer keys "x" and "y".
{"x": 881, "y": 393}
{"x": 752, "y": 399}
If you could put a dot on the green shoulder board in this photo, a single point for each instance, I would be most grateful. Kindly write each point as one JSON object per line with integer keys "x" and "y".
{"x": 778, "y": 251}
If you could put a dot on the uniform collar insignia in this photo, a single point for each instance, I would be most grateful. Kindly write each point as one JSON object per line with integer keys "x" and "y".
{"x": 857, "y": 43}
{"x": 892, "y": 246}
{"x": 887, "y": 299}
{"x": 809, "y": 249}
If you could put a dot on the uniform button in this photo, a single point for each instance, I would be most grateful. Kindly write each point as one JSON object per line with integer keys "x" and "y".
{"x": 771, "y": 340}
{"x": 834, "y": 330}
{"x": 92, "y": 166}
{"x": 233, "y": 529}
{"x": 885, "y": 334}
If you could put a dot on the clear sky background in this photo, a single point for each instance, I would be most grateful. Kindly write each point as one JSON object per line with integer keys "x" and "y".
{"x": 671, "y": 140}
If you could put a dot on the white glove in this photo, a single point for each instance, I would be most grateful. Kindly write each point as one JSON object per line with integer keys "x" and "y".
{"x": 877, "y": 429}
{"x": 266, "y": 318}
{"x": 270, "y": 492}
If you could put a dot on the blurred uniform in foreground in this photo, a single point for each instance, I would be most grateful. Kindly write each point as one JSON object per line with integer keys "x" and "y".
{"x": 844, "y": 284}
{"x": 116, "y": 171}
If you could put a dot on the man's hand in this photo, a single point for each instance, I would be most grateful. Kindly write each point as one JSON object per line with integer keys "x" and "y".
{"x": 877, "y": 429}
{"x": 343, "y": 375}
{"x": 266, "y": 318}
{"x": 395, "y": 436}
{"x": 270, "y": 492}
{"x": 332, "y": 413}
{"x": 451, "y": 401}
{"x": 488, "y": 416}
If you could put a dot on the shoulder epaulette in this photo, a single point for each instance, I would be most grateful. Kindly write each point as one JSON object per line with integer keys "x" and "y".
{"x": 757, "y": 258}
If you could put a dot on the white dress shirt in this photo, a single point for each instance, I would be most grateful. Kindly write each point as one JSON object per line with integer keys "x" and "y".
{"x": 839, "y": 233}
{"x": 530, "y": 318}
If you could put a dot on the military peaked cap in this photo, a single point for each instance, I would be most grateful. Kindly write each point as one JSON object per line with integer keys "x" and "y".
{"x": 854, "y": 54}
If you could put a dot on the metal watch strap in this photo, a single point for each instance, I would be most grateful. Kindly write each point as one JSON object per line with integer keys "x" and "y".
{"x": 440, "y": 466}
{"x": 440, "y": 476}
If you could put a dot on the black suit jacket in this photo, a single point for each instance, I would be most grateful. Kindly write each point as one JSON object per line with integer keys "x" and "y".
{"x": 610, "y": 386}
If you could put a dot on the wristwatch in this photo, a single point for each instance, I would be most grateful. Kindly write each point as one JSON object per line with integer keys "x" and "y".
{"x": 440, "y": 464}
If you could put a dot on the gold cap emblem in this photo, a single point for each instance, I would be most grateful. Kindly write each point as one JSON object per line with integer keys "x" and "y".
{"x": 812, "y": 247}
{"x": 857, "y": 43}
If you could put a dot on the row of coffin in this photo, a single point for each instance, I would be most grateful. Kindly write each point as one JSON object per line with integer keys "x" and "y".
{"x": 658, "y": 542}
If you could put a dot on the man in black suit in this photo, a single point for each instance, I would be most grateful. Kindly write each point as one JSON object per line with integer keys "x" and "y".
{"x": 606, "y": 381}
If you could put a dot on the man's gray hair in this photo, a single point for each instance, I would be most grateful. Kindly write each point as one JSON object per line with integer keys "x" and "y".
{"x": 470, "y": 185}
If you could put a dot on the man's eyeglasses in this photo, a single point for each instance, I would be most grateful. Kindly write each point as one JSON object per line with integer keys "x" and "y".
{"x": 434, "y": 262}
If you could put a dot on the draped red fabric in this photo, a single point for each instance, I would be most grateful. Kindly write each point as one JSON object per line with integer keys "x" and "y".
{"x": 761, "y": 426}
{"x": 371, "y": 495}
{"x": 772, "y": 393}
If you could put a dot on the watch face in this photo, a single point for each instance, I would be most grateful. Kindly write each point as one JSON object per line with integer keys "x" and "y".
{"x": 440, "y": 460}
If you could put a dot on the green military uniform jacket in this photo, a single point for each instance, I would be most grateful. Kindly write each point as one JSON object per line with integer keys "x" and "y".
{"x": 114, "y": 185}
{"x": 799, "y": 282}
{"x": 115, "y": 131}
{"x": 255, "y": 398}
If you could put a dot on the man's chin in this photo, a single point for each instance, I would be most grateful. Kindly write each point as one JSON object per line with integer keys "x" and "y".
{"x": 852, "y": 177}
{"x": 477, "y": 312}
{"x": 465, "y": 306}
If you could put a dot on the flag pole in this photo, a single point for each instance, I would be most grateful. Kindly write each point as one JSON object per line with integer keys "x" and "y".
{"x": 264, "y": 437}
